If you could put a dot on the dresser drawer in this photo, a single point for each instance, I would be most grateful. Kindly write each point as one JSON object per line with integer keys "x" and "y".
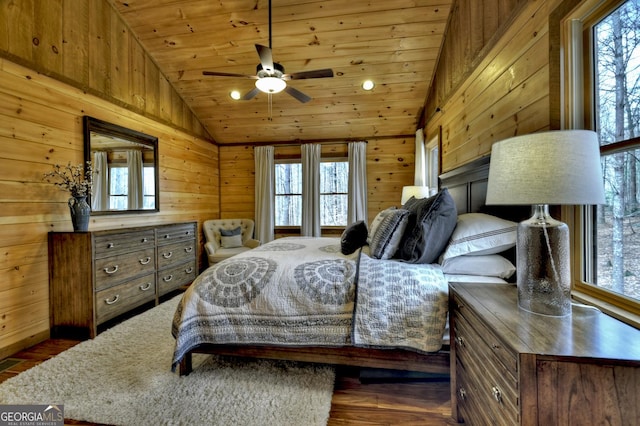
{"x": 490, "y": 384}
{"x": 172, "y": 278}
{"x": 175, "y": 253}
{"x": 169, "y": 234}
{"x": 119, "y": 299}
{"x": 112, "y": 244}
{"x": 470, "y": 405}
{"x": 498, "y": 348}
{"x": 116, "y": 269}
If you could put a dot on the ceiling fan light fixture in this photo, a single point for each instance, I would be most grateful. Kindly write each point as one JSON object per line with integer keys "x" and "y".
{"x": 270, "y": 84}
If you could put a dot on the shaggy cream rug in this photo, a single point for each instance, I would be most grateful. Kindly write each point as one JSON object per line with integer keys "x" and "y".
{"x": 123, "y": 377}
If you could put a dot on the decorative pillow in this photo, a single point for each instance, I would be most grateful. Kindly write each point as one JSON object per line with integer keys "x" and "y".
{"x": 354, "y": 237}
{"x": 388, "y": 235}
{"x": 376, "y": 222}
{"x": 480, "y": 233}
{"x": 231, "y": 238}
{"x": 490, "y": 265}
{"x": 427, "y": 235}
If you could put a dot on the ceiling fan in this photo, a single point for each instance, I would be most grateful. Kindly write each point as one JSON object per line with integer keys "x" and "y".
{"x": 270, "y": 76}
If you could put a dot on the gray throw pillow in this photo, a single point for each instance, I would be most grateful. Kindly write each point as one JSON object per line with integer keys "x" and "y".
{"x": 388, "y": 235}
{"x": 431, "y": 224}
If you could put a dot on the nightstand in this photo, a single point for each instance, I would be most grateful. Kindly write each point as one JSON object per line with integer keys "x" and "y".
{"x": 509, "y": 366}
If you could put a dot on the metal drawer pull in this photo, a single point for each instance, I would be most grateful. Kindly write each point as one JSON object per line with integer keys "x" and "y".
{"x": 496, "y": 394}
{"x": 144, "y": 240}
{"x": 189, "y": 270}
{"x": 167, "y": 236}
{"x": 462, "y": 394}
{"x": 145, "y": 287}
{"x": 167, "y": 255}
{"x": 145, "y": 261}
{"x": 460, "y": 341}
{"x": 111, "y": 302}
{"x": 167, "y": 278}
{"x": 112, "y": 271}
{"x": 188, "y": 249}
{"x": 110, "y": 245}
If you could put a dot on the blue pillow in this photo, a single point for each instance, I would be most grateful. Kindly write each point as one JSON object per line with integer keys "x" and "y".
{"x": 230, "y": 232}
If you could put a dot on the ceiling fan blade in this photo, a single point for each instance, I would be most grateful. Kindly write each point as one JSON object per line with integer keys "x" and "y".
{"x": 323, "y": 73}
{"x": 297, "y": 94}
{"x": 251, "y": 94}
{"x": 266, "y": 59}
{"x": 226, "y": 74}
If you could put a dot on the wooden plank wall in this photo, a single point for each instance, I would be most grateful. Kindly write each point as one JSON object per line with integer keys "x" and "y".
{"x": 87, "y": 45}
{"x": 507, "y": 93}
{"x": 390, "y": 166}
{"x": 62, "y": 60}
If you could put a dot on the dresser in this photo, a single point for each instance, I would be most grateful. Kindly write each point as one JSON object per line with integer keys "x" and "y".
{"x": 97, "y": 276}
{"x": 512, "y": 367}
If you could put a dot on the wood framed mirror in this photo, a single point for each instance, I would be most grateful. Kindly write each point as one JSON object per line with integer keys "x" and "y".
{"x": 125, "y": 168}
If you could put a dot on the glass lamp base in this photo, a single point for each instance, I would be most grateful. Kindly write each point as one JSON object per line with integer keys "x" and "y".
{"x": 543, "y": 265}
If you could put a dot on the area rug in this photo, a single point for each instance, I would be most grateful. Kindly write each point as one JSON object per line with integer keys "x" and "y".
{"x": 123, "y": 377}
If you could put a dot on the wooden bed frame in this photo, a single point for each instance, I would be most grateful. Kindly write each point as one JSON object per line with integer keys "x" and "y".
{"x": 467, "y": 186}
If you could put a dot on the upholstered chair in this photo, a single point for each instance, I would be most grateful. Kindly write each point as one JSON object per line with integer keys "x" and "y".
{"x": 219, "y": 247}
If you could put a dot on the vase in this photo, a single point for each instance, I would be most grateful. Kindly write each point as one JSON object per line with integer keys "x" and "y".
{"x": 80, "y": 213}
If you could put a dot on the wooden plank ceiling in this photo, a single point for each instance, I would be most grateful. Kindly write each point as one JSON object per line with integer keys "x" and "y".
{"x": 395, "y": 43}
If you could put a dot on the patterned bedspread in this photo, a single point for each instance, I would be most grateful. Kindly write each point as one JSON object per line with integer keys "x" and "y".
{"x": 300, "y": 291}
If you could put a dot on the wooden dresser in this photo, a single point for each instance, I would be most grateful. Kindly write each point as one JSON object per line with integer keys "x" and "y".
{"x": 512, "y": 367}
{"x": 97, "y": 276}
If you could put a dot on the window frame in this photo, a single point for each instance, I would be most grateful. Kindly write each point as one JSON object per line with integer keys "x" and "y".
{"x": 577, "y": 76}
{"x": 334, "y": 160}
{"x": 299, "y": 161}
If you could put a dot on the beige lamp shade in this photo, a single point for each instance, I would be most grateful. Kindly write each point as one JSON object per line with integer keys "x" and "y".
{"x": 414, "y": 191}
{"x": 557, "y": 167}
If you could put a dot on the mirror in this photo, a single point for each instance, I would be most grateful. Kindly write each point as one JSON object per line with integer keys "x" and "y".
{"x": 125, "y": 168}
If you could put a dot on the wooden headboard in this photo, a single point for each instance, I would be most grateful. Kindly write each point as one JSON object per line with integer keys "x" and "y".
{"x": 468, "y": 187}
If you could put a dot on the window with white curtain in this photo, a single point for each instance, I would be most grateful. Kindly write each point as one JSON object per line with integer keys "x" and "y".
{"x": 334, "y": 175}
{"x": 118, "y": 186}
{"x": 433, "y": 163}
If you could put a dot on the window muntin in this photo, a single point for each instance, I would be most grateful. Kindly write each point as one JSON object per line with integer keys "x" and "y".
{"x": 613, "y": 231}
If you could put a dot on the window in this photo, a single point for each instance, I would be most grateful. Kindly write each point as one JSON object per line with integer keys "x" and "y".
{"x": 118, "y": 187}
{"x": 288, "y": 195}
{"x": 611, "y": 233}
{"x": 433, "y": 163}
{"x": 334, "y": 186}
{"x": 334, "y": 176}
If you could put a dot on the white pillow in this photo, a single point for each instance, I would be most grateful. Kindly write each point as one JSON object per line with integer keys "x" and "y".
{"x": 479, "y": 233}
{"x": 490, "y": 265}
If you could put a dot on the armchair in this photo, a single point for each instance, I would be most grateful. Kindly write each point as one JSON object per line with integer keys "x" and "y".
{"x": 213, "y": 245}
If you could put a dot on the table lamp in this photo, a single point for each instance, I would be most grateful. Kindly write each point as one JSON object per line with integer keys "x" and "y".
{"x": 417, "y": 191}
{"x": 557, "y": 168}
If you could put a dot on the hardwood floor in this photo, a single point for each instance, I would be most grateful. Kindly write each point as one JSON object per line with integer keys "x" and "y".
{"x": 371, "y": 402}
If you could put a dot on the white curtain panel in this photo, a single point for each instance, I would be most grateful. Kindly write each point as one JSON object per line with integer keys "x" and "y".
{"x": 136, "y": 194}
{"x": 100, "y": 196}
{"x": 311, "y": 190}
{"x": 357, "y": 205}
{"x": 420, "y": 178}
{"x": 265, "y": 193}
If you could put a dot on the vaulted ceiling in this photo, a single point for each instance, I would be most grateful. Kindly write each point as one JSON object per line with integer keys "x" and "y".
{"x": 395, "y": 43}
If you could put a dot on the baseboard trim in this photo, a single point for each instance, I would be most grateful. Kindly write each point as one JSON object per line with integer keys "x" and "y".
{"x": 16, "y": 347}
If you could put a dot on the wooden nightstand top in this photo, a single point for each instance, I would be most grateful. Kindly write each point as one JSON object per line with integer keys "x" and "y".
{"x": 586, "y": 333}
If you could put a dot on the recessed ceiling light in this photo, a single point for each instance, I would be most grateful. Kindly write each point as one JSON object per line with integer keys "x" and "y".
{"x": 368, "y": 85}
{"x": 235, "y": 95}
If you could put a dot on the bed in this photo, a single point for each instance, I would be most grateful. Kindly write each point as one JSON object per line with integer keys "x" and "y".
{"x": 312, "y": 300}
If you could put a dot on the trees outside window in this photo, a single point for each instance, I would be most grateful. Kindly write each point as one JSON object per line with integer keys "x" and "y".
{"x": 615, "y": 115}
{"x": 334, "y": 176}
